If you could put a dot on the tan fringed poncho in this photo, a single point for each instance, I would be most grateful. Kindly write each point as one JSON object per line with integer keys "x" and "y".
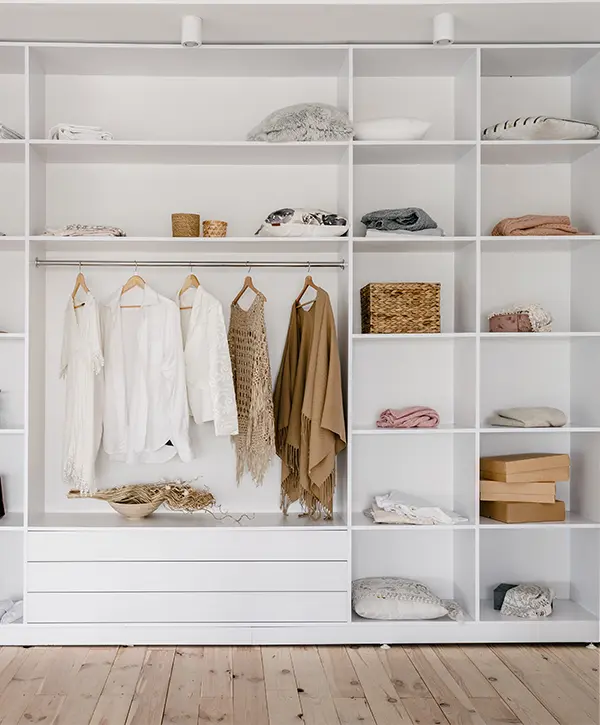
{"x": 309, "y": 411}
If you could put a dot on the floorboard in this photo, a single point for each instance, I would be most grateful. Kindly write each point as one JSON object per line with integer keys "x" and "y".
{"x": 424, "y": 685}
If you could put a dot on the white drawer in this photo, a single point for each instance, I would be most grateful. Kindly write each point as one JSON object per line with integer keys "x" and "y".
{"x": 196, "y": 607}
{"x": 188, "y": 545}
{"x": 188, "y": 576}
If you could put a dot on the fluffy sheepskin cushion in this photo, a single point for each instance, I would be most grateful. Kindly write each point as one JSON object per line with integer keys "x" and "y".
{"x": 304, "y": 122}
{"x": 303, "y": 223}
{"x": 541, "y": 128}
{"x": 391, "y": 129}
{"x": 390, "y": 597}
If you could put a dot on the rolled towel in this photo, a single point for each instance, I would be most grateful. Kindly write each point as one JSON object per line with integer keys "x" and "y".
{"x": 410, "y": 219}
{"x": 535, "y": 225}
{"x": 529, "y": 418}
{"x": 417, "y": 416}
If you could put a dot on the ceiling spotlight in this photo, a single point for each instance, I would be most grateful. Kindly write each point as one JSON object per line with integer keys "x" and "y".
{"x": 191, "y": 31}
{"x": 443, "y": 29}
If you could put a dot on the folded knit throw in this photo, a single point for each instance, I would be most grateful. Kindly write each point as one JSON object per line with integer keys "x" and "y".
{"x": 411, "y": 219}
{"x": 417, "y": 416}
{"x": 535, "y": 225}
{"x": 529, "y": 418}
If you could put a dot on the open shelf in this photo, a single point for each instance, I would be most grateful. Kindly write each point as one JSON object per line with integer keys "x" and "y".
{"x": 176, "y": 152}
{"x": 11, "y": 520}
{"x": 572, "y": 521}
{"x": 170, "y": 520}
{"x": 361, "y": 522}
{"x": 410, "y": 152}
{"x": 564, "y": 610}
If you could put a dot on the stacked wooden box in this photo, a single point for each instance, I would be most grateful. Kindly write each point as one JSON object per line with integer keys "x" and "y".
{"x": 521, "y": 488}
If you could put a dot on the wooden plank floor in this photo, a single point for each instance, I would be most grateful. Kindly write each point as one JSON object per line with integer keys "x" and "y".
{"x": 445, "y": 685}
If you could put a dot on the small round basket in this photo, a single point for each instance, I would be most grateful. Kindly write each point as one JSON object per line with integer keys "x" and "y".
{"x": 214, "y": 228}
{"x": 185, "y": 225}
{"x": 134, "y": 510}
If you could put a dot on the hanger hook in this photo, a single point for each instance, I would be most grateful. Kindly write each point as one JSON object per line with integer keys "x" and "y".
{"x": 135, "y": 270}
{"x": 79, "y": 267}
{"x": 249, "y": 267}
{"x": 308, "y": 267}
{"x": 191, "y": 268}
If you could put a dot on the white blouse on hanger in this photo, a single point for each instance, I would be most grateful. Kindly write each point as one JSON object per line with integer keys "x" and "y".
{"x": 81, "y": 366}
{"x": 208, "y": 366}
{"x": 145, "y": 406}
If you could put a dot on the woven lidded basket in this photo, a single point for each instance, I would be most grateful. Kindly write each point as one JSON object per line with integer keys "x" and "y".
{"x": 185, "y": 225}
{"x": 400, "y": 307}
{"x": 214, "y": 228}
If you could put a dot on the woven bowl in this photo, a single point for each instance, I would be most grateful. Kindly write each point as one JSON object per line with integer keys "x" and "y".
{"x": 185, "y": 225}
{"x": 134, "y": 510}
{"x": 214, "y": 228}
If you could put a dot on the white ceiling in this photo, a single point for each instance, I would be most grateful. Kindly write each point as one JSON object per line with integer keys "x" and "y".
{"x": 312, "y": 21}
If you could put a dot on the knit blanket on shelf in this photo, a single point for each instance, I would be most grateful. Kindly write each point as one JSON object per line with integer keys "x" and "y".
{"x": 542, "y": 417}
{"x": 410, "y": 219}
{"x": 417, "y": 416}
{"x": 535, "y": 225}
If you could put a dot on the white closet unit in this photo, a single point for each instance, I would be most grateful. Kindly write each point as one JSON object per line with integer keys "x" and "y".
{"x": 180, "y": 117}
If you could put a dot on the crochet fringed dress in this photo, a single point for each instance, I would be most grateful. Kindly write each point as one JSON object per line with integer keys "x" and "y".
{"x": 255, "y": 442}
{"x": 309, "y": 409}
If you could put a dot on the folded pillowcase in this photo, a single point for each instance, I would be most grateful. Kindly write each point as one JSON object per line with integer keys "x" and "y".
{"x": 390, "y": 597}
{"x": 540, "y": 128}
{"x": 391, "y": 129}
{"x": 528, "y": 601}
{"x": 304, "y": 122}
{"x": 290, "y": 222}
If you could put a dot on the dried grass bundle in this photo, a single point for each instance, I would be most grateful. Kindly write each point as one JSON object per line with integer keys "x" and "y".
{"x": 176, "y": 496}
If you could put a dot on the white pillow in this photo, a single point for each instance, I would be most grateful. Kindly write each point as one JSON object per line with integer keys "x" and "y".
{"x": 390, "y": 597}
{"x": 391, "y": 129}
{"x": 540, "y": 128}
{"x": 289, "y": 222}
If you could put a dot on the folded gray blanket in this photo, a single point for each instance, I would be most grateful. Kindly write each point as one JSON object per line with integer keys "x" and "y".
{"x": 411, "y": 219}
{"x": 529, "y": 418}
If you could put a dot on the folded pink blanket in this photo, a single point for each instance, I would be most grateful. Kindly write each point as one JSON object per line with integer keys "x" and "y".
{"x": 417, "y": 416}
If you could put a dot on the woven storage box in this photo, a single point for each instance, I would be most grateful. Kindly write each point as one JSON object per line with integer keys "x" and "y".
{"x": 400, "y": 307}
{"x": 185, "y": 225}
{"x": 214, "y": 228}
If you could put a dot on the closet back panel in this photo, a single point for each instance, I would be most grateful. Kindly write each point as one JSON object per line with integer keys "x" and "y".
{"x": 141, "y": 197}
{"x": 12, "y": 88}
{"x": 12, "y": 187}
{"x": 12, "y": 291}
{"x": 215, "y": 462}
{"x": 11, "y": 565}
{"x": 11, "y": 472}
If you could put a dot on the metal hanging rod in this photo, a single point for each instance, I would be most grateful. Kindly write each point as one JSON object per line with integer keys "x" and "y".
{"x": 183, "y": 264}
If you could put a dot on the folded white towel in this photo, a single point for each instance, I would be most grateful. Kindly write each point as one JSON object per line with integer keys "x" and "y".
{"x": 401, "y": 508}
{"x": 381, "y": 234}
{"x": 70, "y": 132}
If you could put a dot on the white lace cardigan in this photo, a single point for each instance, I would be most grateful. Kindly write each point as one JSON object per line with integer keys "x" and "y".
{"x": 211, "y": 394}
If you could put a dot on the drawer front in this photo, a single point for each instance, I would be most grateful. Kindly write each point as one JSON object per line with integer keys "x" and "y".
{"x": 200, "y": 545}
{"x": 188, "y": 576}
{"x": 192, "y": 607}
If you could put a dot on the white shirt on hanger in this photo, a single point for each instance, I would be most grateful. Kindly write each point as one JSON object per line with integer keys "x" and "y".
{"x": 210, "y": 389}
{"x": 81, "y": 366}
{"x": 145, "y": 404}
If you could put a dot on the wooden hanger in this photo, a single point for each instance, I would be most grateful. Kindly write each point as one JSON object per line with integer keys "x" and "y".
{"x": 134, "y": 281}
{"x": 190, "y": 281}
{"x": 79, "y": 284}
{"x": 308, "y": 283}
{"x": 248, "y": 285}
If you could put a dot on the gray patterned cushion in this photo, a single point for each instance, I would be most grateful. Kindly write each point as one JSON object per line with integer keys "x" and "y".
{"x": 390, "y": 597}
{"x": 528, "y": 601}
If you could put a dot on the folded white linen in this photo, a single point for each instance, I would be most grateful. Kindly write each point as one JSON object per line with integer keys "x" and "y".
{"x": 9, "y": 134}
{"x": 85, "y": 230}
{"x": 14, "y": 614}
{"x": 396, "y": 507}
{"x": 5, "y": 606}
{"x": 71, "y": 132}
{"x": 381, "y": 234}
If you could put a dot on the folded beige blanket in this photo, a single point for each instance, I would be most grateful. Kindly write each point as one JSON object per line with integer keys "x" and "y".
{"x": 543, "y": 417}
{"x": 535, "y": 225}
